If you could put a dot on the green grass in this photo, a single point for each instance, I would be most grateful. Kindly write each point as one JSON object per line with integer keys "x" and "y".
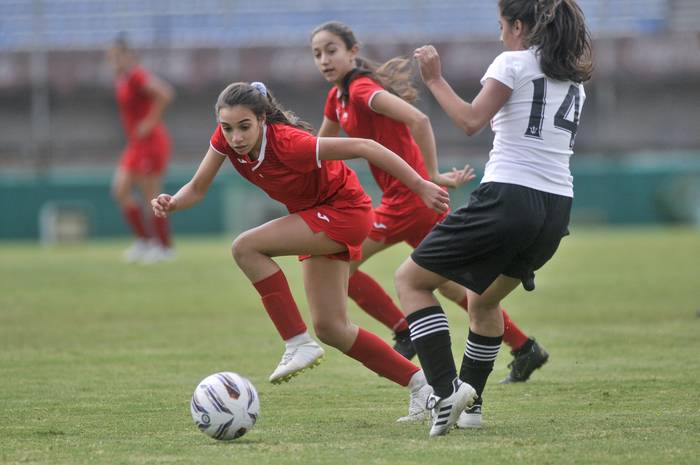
{"x": 98, "y": 361}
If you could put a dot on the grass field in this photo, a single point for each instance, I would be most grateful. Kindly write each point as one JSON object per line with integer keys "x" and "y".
{"x": 98, "y": 361}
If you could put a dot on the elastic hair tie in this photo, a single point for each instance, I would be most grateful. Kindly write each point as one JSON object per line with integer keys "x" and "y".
{"x": 260, "y": 87}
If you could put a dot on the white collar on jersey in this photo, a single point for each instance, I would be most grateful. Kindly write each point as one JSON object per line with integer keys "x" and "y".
{"x": 261, "y": 155}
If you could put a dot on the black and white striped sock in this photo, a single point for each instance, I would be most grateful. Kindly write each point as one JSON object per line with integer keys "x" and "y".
{"x": 430, "y": 334}
{"x": 479, "y": 356}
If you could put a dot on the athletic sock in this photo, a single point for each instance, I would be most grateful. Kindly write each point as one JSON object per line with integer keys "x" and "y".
{"x": 512, "y": 335}
{"x": 279, "y": 304}
{"x": 133, "y": 217}
{"x": 370, "y": 297}
{"x": 378, "y": 356}
{"x": 430, "y": 334}
{"x": 479, "y": 356}
{"x": 161, "y": 227}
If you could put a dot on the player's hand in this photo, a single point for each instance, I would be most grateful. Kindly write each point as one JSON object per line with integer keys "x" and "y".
{"x": 143, "y": 129}
{"x": 435, "y": 197}
{"x": 456, "y": 178}
{"x": 429, "y": 63}
{"x": 162, "y": 205}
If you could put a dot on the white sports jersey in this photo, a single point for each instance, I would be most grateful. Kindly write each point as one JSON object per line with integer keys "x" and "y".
{"x": 535, "y": 129}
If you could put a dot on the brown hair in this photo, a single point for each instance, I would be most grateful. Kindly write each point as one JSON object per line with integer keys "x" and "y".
{"x": 396, "y": 75}
{"x": 260, "y": 101}
{"x": 557, "y": 29}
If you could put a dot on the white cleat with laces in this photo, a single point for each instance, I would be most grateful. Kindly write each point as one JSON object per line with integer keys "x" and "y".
{"x": 420, "y": 391}
{"x": 446, "y": 411}
{"x": 296, "y": 359}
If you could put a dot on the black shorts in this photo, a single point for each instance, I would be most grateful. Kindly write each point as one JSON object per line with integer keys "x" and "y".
{"x": 504, "y": 229}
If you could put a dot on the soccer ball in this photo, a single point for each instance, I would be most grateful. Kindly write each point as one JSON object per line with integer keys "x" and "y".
{"x": 225, "y": 406}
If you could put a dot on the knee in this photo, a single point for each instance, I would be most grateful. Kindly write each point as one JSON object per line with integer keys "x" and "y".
{"x": 242, "y": 247}
{"x": 330, "y": 332}
{"x": 403, "y": 279}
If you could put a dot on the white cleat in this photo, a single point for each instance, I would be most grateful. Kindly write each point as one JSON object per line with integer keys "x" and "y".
{"x": 136, "y": 251}
{"x": 446, "y": 411}
{"x": 470, "y": 418}
{"x": 416, "y": 405}
{"x": 296, "y": 359}
{"x": 156, "y": 254}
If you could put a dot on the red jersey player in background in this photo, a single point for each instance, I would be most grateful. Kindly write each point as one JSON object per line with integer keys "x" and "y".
{"x": 141, "y": 97}
{"x": 329, "y": 218}
{"x": 373, "y": 102}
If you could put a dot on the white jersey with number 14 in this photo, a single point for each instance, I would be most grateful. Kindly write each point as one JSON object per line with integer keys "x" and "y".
{"x": 536, "y": 128}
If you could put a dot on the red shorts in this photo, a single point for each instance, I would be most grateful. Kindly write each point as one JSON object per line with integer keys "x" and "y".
{"x": 393, "y": 225}
{"x": 147, "y": 156}
{"x": 348, "y": 225}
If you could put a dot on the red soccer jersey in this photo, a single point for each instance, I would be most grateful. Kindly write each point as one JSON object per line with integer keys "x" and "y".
{"x": 134, "y": 102}
{"x": 357, "y": 119}
{"x": 289, "y": 170}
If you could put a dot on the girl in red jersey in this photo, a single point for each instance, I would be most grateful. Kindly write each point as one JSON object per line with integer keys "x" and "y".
{"x": 329, "y": 218}
{"x": 374, "y": 102}
{"x": 142, "y": 97}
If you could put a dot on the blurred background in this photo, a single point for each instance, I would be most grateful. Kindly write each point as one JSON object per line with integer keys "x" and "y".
{"x": 637, "y": 155}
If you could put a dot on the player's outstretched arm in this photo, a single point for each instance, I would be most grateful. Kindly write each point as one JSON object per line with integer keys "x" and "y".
{"x": 469, "y": 117}
{"x": 194, "y": 190}
{"x": 336, "y": 148}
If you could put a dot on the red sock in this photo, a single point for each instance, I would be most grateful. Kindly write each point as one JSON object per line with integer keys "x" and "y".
{"x": 512, "y": 335}
{"x": 369, "y": 295}
{"x": 132, "y": 215}
{"x": 279, "y": 303}
{"x": 162, "y": 229}
{"x": 376, "y": 355}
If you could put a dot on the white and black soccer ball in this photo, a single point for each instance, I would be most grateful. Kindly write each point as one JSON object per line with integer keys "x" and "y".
{"x": 225, "y": 406}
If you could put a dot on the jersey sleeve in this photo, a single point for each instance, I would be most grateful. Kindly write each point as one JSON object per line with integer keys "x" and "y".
{"x": 505, "y": 69}
{"x": 218, "y": 142}
{"x": 297, "y": 149}
{"x": 330, "y": 110}
{"x": 363, "y": 90}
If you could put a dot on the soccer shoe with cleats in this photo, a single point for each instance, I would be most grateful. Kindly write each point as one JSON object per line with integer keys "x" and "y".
{"x": 525, "y": 360}
{"x": 295, "y": 360}
{"x": 471, "y": 417}
{"x": 137, "y": 251}
{"x": 404, "y": 346}
{"x": 158, "y": 254}
{"x": 446, "y": 412}
{"x": 417, "y": 410}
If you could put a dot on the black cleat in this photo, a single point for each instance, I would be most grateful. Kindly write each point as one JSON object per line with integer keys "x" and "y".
{"x": 404, "y": 346}
{"x": 527, "y": 359}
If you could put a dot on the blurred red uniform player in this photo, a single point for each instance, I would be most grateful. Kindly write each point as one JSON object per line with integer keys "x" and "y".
{"x": 329, "y": 218}
{"x": 141, "y": 98}
{"x": 374, "y": 103}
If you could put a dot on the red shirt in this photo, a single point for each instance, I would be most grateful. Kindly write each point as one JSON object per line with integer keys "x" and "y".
{"x": 134, "y": 101}
{"x": 289, "y": 171}
{"x": 359, "y": 120}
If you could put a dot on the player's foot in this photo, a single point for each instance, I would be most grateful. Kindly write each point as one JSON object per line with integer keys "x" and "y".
{"x": 471, "y": 417}
{"x": 404, "y": 345}
{"x": 158, "y": 253}
{"x": 446, "y": 411}
{"x": 136, "y": 251}
{"x": 296, "y": 359}
{"x": 527, "y": 359}
{"x": 420, "y": 391}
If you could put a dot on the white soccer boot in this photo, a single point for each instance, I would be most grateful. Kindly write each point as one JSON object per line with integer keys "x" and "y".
{"x": 301, "y": 353}
{"x": 420, "y": 391}
{"x": 471, "y": 417}
{"x": 158, "y": 253}
{"x": 137, "y": 251}
{"x": 446, "y": 411}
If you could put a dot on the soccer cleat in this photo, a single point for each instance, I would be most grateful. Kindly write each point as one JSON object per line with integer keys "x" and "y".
{"x": 156, "y": 254}
{"x": 471, "y": 417}
{"x": 295, "y": 360}
{"x": 404, "y": 346}
{"x": 417, "y": 410}
{"x": 138, "y": 250}
{"x": 526, "y": 360}
{"x": 446, "y": 411}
